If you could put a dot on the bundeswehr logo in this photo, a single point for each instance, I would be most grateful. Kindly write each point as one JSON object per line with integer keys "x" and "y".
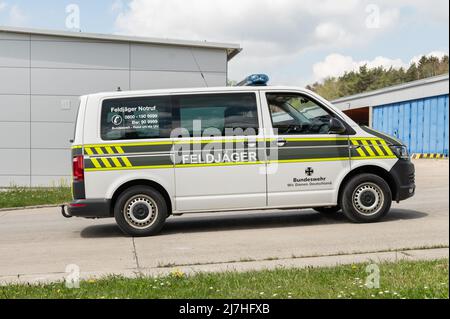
{"x": 309, "y": 171}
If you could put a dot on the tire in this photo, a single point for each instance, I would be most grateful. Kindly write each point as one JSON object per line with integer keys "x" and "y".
{"x": 366, "y": 198}
{"x": 328, "y": 210}
{"x": 140, "y": 211}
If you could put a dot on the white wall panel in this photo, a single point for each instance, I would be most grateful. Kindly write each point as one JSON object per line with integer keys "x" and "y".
{"x": 77, "y": 82}
{"x": 50, "y": 162}
{"x": 54, "y": 108}
{"x": 170, "y": 58}
{"x": 15, "y": 162}
{"x": 14, "y": 80}
{"x": 163, "y": 80}
{"x": 14, "y": 108}
{"x": 51, "y": 135}
{"x": 14, "y": 53}
{"x": 14, "y": 135}
{"x": 46, "y": 54}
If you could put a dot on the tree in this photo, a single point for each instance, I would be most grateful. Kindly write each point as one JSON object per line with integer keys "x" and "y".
{"x": 369, "y": 79}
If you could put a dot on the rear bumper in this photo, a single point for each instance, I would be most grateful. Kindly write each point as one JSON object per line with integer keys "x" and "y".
{"x": 403, "y": 173}
{"x": 90, "y": 208}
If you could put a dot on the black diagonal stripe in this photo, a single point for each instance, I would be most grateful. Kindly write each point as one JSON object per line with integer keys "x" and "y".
{"x": 383, "y": 152}
{"x": 362, "y": 147}
{"x": 121, "y": 161}
{"x": 371, "y": 148}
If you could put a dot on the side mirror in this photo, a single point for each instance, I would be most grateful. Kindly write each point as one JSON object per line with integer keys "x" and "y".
{"x": 336, "y": 126}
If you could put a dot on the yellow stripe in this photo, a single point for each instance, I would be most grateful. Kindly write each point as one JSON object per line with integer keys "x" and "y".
{"x": 359, "y": 150}
{"x": 367, "y": 148}
{"x": 126, "y": 161}
{"x": 116, "y": 162}
{"x": 114, "y": 159}
{"x": 219, "y": 164}
{"x": 96, "y": 163}
{"x": 109, "y": 149}
{"x": 329, "y": 159}
{"x": 377, "y": 148}
{"x": 378, "y": 157}
{"x": 386, "y": 147}
{"x": 99, "y": 150}
{"x": 317, "y": 139}
{"x": 130, "y": 144}
{"x": 89, "y": 151}
{"x": 106, "y": 162}
{"x": 128, "y": 168}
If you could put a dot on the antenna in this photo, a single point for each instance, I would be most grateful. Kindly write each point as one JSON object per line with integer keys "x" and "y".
{"x": 198, "y": 67}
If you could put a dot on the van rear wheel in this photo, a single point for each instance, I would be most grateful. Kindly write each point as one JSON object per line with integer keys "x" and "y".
{"x": 140, "y": 211}
{"x": 366, "y": 198}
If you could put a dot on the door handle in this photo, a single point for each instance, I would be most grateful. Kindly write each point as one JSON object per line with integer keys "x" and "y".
{"x": 355, "y": 147}
{"x": 281, "y": 142}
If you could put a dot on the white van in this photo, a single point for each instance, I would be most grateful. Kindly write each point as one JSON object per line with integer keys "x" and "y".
{"x": 141, "y": 156}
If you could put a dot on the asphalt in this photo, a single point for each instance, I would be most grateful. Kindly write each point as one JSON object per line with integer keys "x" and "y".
{"x": 36, "y": 245}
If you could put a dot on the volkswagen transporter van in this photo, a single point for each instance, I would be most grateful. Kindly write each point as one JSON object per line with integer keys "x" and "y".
{"x": 142, "y": 156}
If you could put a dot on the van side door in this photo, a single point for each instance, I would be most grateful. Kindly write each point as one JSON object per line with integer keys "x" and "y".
{"x": 217, "y": 162}
{"x": 305, "y": 162}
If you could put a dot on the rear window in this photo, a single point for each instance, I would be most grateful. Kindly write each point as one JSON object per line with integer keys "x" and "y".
{"x": 136, "y": 118}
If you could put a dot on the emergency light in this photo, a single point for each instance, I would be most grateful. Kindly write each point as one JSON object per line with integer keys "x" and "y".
{"x": 255, "y": 80}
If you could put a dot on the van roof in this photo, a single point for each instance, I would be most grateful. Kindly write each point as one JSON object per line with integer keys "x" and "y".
{"x": 195, "y": 90}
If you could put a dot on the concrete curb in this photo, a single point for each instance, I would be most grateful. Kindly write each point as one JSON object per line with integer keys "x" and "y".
{"x": 300, "y": 262}
{"x": 29, "y": 207}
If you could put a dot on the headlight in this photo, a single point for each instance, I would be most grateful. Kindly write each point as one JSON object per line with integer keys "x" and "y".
{"x": 400, "y": 151}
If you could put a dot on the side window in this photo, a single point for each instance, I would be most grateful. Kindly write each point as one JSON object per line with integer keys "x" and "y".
{"x": 297, "y": 114}
{"x": 136, "y": 118}
{"x": 218, "y": 114}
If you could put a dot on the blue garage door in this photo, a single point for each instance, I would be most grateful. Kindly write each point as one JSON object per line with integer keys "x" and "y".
{"x": 421, "y": 124}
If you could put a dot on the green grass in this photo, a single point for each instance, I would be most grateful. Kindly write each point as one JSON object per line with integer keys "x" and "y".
{"x": 424, "y": 279}
{"x": 25, "y": 196}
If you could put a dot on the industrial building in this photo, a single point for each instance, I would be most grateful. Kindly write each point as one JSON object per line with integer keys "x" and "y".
{"x": 42, "y": 74}
{"x": 417, "y": 113}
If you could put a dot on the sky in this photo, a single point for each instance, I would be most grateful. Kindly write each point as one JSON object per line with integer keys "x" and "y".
{"x": 295, "y": 42}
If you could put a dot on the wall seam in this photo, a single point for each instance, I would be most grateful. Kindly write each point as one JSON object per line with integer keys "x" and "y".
{"x": 29, "y": 94}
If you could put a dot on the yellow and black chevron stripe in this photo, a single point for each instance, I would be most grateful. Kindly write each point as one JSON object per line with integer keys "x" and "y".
{"x": 368, "y": 148}
{"x": 428, "y": 156}
{"x": 115, "y": 157}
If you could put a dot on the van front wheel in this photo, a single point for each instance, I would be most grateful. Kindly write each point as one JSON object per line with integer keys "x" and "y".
{"x": 140, "y": 211}
{"x": 366, "y": 198}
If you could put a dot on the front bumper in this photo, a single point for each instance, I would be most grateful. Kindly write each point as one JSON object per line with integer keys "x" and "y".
{"x": 403, "y": 173}
{"x": 89, "y": 208}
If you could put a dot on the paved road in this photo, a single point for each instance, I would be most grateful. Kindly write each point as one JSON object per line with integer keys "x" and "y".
{"x": 38, "y": 244}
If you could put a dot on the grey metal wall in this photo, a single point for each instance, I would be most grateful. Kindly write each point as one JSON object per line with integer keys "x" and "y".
{"x": 41, "y": 78}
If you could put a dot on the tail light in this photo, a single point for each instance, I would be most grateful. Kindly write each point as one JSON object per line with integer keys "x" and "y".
{"x": 78, "y": 168}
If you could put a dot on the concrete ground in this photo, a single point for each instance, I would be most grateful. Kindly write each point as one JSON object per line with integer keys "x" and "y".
{"x": 38, "y": 245}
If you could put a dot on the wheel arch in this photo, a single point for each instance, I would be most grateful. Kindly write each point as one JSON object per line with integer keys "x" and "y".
{"x": 141, "y": 182}
{"x": 370, "y": 169}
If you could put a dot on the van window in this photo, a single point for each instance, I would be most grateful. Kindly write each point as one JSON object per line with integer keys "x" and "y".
{"x": 218, "y": 113}
{"x": 297, "y": 114}
{"x": 136, "y": 118}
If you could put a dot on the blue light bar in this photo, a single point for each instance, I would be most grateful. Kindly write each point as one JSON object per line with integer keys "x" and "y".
{"x": 255, "y": 80}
